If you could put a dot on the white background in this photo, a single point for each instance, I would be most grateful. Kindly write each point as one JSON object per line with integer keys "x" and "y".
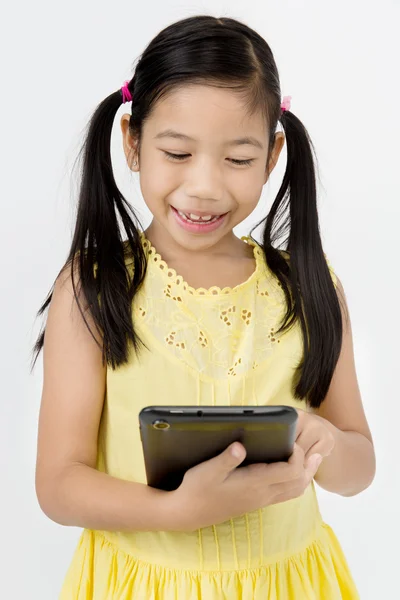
{"x": 339, "y": 62}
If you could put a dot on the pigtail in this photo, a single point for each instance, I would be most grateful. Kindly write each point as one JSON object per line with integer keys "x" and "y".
{"x": 224, "y": 52}
{"x": 97, "y": 247}
{"x": 305, "y": 278}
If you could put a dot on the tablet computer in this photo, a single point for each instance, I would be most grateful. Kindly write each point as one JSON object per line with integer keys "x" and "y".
{"x": 176, "y": 438}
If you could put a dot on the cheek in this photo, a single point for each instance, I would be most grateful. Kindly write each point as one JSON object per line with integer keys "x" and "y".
{"x": 249, "y": 183}
{"x": 157, "y": 182}
{"x": 247, "y": 193}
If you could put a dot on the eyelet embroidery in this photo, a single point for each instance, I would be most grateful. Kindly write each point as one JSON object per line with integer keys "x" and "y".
{"x": 170, "y": 340}
{"x": 224, "y": 317}
{"x": 167, "y": 292}
{"x": 203, "y": 341}
{"x": 258, "y": 290}
{"x": 272, "y": 335}
{"x": 246, "y": 316}
{"x": 232, "y": 370}
{"x": 214, "y": 290}
{"x": 221, "y": 333}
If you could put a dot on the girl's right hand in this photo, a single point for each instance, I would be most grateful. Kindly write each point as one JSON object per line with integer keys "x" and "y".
{"x": 215, "y": 490}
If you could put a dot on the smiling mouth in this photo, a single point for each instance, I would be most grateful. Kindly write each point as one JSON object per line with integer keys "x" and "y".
{"x": 195, "y": 218}
{"x": 199, "y": 225}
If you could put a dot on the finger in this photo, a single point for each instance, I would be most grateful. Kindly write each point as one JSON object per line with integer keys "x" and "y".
{"x": 229, "y": 459}
{"x": 289, "y": 494}
{"x": 275, "y": 473}
{"x": 287, "y": 471}
{"x": 297, "y": 456}
{"x": 224, "y": 463}
{"x": 319, "y": 447}
{"x": 311, "y": 466}
{"x": 286, "y": 490}
{"x": 306, "y": 440}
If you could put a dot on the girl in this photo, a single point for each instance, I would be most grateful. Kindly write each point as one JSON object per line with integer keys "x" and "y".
{"x": 186, "y": 312}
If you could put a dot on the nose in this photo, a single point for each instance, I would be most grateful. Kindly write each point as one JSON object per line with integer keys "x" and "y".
{"x": 204, "y": 180}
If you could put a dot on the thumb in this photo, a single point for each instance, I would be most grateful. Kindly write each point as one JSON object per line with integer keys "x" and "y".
{"x": 225, "y": 462}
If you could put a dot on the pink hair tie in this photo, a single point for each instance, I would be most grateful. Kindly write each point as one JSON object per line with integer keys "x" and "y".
{"x": 285, "y": 105}
{"x": 126, "y": 95}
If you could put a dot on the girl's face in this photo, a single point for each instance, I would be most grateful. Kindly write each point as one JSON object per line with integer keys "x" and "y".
{"x": 215, "y": 174}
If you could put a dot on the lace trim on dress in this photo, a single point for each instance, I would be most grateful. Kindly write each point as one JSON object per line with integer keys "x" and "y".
{"x": 214, "y": 290}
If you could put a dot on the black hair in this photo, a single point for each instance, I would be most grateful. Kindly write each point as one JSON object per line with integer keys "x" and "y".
{"x": 221, "y": 52}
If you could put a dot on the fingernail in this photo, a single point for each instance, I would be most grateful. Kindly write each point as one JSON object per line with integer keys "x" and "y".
{"x": 236, "y": 451}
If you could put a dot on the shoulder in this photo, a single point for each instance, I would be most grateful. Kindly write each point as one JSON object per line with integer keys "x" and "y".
{"x": 69, "y": 293}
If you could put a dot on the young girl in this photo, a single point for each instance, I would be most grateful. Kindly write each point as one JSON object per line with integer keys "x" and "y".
{"x": 187, "y": 313}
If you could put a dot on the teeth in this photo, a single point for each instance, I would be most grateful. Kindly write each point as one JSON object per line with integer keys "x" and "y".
{"x": 193, "y": 217}
{"x": 197, "y": 218}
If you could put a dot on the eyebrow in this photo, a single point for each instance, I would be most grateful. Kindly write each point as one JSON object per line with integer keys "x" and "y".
{"x": 236, "y": 142}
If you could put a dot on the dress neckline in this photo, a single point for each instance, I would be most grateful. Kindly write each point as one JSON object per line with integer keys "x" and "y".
{"x": 172, "y": 276}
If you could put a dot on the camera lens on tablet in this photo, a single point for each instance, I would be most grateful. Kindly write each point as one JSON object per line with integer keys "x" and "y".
{"x": 160, "y": 424}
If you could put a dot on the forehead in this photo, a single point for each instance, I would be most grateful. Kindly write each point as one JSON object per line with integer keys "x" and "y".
{"x": 200, "y": 112}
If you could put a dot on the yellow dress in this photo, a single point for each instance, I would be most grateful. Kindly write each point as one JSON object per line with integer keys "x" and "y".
{"x": 215, "y": 346}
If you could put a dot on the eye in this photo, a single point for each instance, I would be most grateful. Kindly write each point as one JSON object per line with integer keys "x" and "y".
{"x": 247, "y": 161}
{"x": 171, "y": 156}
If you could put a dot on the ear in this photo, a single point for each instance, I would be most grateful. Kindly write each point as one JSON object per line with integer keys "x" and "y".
{"x": 129, "y": 144}
{"x": 276, "y": 150}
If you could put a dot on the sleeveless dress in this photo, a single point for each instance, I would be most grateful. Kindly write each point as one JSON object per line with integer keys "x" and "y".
{"x": 213, "y": 347}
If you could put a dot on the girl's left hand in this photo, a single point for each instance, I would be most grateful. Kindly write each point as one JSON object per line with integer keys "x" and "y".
{"x": 314, "y": 434}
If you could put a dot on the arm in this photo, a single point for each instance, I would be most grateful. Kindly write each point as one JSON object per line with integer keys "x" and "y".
{"x": 350, "y": 468}
{"x": 69, "y": 488}
{"x": 81, "y": 496}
